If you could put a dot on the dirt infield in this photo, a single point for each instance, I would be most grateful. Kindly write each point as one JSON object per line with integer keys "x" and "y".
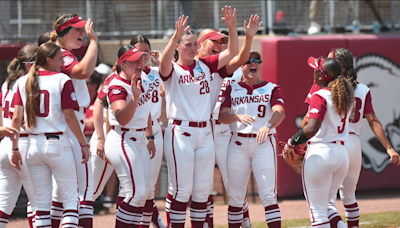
{"x": 290, "y": 209}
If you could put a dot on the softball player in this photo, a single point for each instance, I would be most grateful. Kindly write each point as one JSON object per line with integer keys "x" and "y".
{"x": 129, "y": 95}
{"x": 253, "y": 108}
{"x": 150, "y": 211}
{"x": 48, "y": 98}
{"x": 68, "y": 35}
{"x": 11, "y": 179}
{"x": 189, "y": 147}
{"x": 326, "y": 161}
{"x": 211, "y": 44}
{"x": 363, "y": 107}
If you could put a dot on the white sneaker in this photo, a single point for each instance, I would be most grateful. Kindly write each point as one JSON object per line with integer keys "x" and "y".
{"x": 315, "y": 28}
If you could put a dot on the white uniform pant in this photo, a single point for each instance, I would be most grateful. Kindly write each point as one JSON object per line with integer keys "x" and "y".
{"x": 324, "y": 169}
{"x": 101, "y": 170}
{"x": 155, "y": 163}
{"x": 128, "y": 154}
{"x": 190, "y": 156}
{"x": 348, "y": 188}
{"x": 222, "y": 136}
{"x": 51, "y": 157}
{"x": 11, "y": 179}
{"x": 245, "y": 155}
{"x": 84, "y": 171}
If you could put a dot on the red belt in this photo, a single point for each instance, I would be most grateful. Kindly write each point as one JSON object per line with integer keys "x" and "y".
{"x": 80, "y": 109}
{"x": 217, "y": 122}
{"x": 47, "y": 134}
{"x": 352, "y": 133}
{"x": 341, "y": 142}
{"x": 247, "y": 135}
{"x": 23, "y": 135}
{"x": 191, "y": 124}
{"x": 152, "y": 122}
{"x": 129, "y": 129}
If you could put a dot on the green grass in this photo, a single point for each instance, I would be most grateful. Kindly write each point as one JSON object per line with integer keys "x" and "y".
{"x": 375, "y": 220}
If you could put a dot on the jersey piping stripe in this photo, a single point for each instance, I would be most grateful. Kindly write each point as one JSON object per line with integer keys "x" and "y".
{"x": 276, "y": 181}
{"x": 87, "y": 181}
{"x": 129, "y": 165}
{"x": 76, "y": 171}
{"x": 101, "y": 178}
{"x": 173, "y": 153}
{"x": 304, "y": 185}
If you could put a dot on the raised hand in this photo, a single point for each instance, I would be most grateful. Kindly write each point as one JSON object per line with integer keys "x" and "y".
{"x": 252, "y": 28}
{"x": 136, "y": 86}
{"x": 89, "y": 31}
{"x": 154, "y": 57}
{"x": 180, "y": 27}
{"x": 229, "y": 17}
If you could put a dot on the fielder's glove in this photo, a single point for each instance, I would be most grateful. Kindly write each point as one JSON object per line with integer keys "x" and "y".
{"x": 293, "y": 155}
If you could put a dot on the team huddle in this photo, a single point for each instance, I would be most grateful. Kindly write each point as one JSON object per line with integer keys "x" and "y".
{"x": 219, "y": 110}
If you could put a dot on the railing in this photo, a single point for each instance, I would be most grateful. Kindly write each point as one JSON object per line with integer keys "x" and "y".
{"x": 26, "y": 20}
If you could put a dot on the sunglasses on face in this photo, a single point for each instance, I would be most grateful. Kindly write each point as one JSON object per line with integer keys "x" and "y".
{"x": 254, "y": 60}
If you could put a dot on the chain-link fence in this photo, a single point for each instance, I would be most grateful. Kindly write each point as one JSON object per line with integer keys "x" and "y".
{"x": 26, "y": 20}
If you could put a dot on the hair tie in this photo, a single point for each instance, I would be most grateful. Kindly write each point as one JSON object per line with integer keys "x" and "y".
{"x": 334, "y": 54}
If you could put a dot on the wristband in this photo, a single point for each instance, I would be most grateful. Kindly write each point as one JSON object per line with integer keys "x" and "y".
{"x": 150, "y": 137}
{"x": 87, "y": 145}
{"x": 15, "y": 150}
{"x": 299, "y": 138}
{"x": 268, "y": 125}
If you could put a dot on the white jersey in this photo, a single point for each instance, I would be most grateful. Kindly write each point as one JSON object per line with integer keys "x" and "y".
{"x": 120, "y": 89}
{"x": 363, "y": 105}
{"x": 155, "y": 81}
{"x": 216, "y": 102}
{"x": 56, "y": 94}
{"x": 256, "y": 101}
{"x": 187, "y": 90}
{"x": 7, "y": 102}
{"x": 333, "y": 127}
{"x": 82, "y": 92}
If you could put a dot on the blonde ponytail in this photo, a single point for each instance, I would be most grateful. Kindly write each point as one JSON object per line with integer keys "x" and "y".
{"x": 32, "y": 94}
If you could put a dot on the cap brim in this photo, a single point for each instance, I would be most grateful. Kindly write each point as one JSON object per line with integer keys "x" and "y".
{"x": 224, "y": 37}
{"x": 311, "y": 62}
{"x": 79, "y": 24}
{"x": 135, "y": 56}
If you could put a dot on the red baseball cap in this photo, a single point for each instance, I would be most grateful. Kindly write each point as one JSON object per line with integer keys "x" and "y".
{"x": 215, "y": 35}
{"x": 131, "y": 55}
{"x": 316, "y": 64}
{"x": 75, "y": 22}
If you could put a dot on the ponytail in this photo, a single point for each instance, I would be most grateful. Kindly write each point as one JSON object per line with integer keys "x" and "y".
{"x": 116, "y": 67}
{"x": 351, "y": 74}
{"x": 345, "y": 58}
{"x": 32, "y": 94}
{"x": 342, "y": 94}
{"x": 17, "y": 68}
{"x": 53, "y": 36}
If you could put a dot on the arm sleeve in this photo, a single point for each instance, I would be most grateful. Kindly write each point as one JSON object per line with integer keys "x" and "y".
{"x": 277, "y": 97}
{"x": 17, "y": 98}
{"x": 317, "y": 107}
{"x": 226, "y": 98}
{"x": 368, "y": 104}
{"x": 314, "y": 88}
{"x": 212, "y": 62}
{"x": 69, "y": 62}
{"x": 169, "y": 75}
{"x": 117, "y": 93}
{"x": 68, "y": 96}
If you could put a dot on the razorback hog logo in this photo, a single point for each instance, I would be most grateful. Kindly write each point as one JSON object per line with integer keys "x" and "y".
{"x": 382, "y": 76}
{"x": 133, "y": 139}
{"x": 238, "y": 143}
{"x": 186, "y": 134}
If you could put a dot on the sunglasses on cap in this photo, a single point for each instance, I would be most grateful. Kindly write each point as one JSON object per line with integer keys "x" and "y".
{"x": 254, "y": 60}
{"x": 322, "y": 70}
